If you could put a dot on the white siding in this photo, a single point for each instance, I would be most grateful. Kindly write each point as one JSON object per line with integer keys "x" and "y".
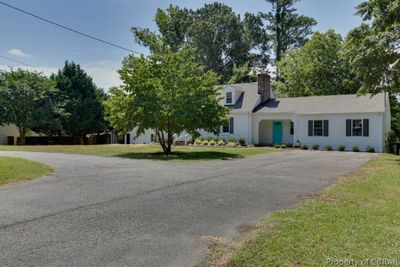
{"x": 144, "y": 138}
{"x": 241, "y": 128}
{"x": 337, "y": 131}
{"x": 265, "y": 129}
{"x": 7, "y": 130}
{"x": 266, "y": 132}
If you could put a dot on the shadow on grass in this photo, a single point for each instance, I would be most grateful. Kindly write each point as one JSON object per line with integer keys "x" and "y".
{"x": 191, "y": 155}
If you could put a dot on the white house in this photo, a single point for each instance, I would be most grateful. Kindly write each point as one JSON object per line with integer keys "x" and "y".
{"x": 262, "y": 119}
{"x": 8, "y": 131}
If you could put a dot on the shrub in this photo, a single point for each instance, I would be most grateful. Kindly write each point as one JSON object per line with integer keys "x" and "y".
{"x": 198, "y": 142}
{"x": 370, "y": 149}
{"x": 289, "y": 145}
{"x": 232, "y": 140}
{"x": 242, "y": 141}
{"x": 277, "y": 146}
{"x": 212, "y": 142}
{"x": 303, "y": 147}
{"x": 201, "y": 139}
{"x": 355, "y": 149}
{"x": 328, "y": 148}
{"x": 341, "y": 148}
{"x": 221, "y": 143}
{"x": 315, "y": 147}
{"x": 231, "y": 144}
{"x": 284, "y": 146}
{"x": 209, "y": 138}
{"x": 390, "y": 141}
{"x": 205, "y": 143}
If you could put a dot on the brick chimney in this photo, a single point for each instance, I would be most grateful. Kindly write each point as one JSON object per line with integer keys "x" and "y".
{"x": 264, "y": 87}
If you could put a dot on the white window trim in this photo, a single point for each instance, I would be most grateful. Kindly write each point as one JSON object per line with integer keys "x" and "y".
{"x": 362, "y": 127}
{"x": 226, "y": 98}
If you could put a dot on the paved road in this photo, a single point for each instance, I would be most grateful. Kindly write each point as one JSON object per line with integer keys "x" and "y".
{"x": 97, "y": 211}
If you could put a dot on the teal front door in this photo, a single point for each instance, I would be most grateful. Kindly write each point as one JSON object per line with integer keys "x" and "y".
{"x": 277, "y": 132}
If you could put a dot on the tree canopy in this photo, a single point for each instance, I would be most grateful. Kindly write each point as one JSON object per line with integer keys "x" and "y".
{"x": 374, "y": 46}
{"x": 221, "y": 38}
{"x": 320, "y": 67}
{"x": 81, "y": 100}
{"x": 27, "y": 101}
{"x": 168, "y": 93}
{"x": 288, "y": 29}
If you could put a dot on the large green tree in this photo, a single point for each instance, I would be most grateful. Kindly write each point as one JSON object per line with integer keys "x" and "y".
{"x": 84, "y": 112}
{"x": 374, "y": 46}
{"x": 221, "y": 38}
{"x": 288, "y": 29}
{"x": 27, "y": 101}
{"x": 320, "y": 67}
{"x": 168, "y": 93}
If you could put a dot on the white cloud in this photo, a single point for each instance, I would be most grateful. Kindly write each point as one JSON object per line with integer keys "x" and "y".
{"x": 103, "y": 76}
{"x": 17, "y": 52}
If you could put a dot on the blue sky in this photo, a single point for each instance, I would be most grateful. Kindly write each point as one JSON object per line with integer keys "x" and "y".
{"x": 46, "y": 47}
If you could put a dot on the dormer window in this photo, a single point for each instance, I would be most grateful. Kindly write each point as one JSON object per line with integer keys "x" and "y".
{"x": 229, "y": 98}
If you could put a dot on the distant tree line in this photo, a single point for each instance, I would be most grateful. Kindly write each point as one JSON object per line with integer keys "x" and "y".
{"x": 67, "y": 103}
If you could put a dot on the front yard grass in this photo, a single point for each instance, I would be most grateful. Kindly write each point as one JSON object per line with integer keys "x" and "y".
{"x": 358, "y": 218}
{"x": 14, "y": 170}
{"x": 151, "y": 151}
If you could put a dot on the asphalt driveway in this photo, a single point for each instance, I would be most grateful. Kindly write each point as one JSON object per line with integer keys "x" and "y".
{"x": 98, "y": 211}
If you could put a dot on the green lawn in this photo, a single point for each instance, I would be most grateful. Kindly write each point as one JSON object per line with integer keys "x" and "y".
{"x": 15, "y": 170}
{"x": 149, "y": 151}
{"x": 357, "y": 218}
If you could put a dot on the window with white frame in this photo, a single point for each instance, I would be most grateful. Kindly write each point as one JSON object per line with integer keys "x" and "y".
{"x": 229, "y": 98}
{"x": 228, "y": 128}
{"x": 357, "y": 127}
{"x": 318, "y": 128}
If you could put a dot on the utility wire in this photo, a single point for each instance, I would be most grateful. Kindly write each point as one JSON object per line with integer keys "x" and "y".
{"x": 17, "y": 61}
{"x": 67, "y": 28}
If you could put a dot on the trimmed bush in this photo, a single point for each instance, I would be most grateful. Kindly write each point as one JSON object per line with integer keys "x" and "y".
{"x": 355, "y": 149}
{"x": 232, "y": 140}
{"x": 198, "y": 142}
{"x": 284, "y": 146}
{"x": 231, "y": 144}
{"x": 341, "y": 148}
{"x": 221, "y": 142}
{"x": 370, "y": 149}
{"x": 315, "y": 147}
{"x": 328, "y": 148}
{"x": 212, "y": 143}
{"x": 303, "y": 147}
{"x": 205, "y": 143}
{"x": 209, "y": 138}
{"x": 242, "y": 141}
{"x": 277, "y": 146}
{"x": 289, "y": 145}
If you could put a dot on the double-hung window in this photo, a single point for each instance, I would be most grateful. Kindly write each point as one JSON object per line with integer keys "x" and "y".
{"x": 357, "y": 127}
{"x": 229, "y": 98}
{"x": 318, "y": 128}
{"x": 228, "y": 128}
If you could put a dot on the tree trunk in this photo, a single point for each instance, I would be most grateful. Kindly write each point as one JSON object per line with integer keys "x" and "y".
{"x": 165, "y": 144}
{"x": 22, "y": 133}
